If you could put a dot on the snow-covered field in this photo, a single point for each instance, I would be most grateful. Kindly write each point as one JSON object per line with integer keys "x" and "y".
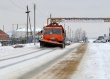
{"x": 17, "y": 62}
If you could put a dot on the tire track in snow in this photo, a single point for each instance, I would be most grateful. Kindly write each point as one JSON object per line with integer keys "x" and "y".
{"x": 35, "y": 71}
{"x": 19, "y": 55}
{"x": 5, "y": 66}
{"x": 64, "y": 68}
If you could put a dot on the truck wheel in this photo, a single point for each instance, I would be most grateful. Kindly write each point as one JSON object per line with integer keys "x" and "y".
{"x": 41, "y": 45}
{"x": 63, "y": 45}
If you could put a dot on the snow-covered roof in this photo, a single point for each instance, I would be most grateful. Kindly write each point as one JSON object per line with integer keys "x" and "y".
{"x": 24, "y": 29}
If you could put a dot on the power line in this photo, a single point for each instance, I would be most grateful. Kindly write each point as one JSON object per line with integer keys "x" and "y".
{"x": 16, "y": 5}
{"x": 7, "y": 7}
{"x": 41, "y": 13}
{"x": 9, "y": 10}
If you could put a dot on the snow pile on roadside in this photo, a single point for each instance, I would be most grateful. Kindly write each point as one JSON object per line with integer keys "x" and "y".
{"x": 91, "y": 40}
{"x": 4, "y": 48}
{"x": 32, "y": 45}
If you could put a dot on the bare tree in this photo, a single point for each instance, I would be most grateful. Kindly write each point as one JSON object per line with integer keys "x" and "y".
{"x": 80, "y": 35}
{"x": 84, "y": 37}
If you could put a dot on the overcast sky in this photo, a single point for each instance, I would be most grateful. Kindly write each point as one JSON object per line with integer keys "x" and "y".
{"x": 13, "y": 12}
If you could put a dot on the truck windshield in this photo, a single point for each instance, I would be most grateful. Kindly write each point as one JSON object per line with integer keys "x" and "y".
{"x": 52, "y": 31}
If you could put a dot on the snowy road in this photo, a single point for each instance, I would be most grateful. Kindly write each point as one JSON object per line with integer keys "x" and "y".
{"x": 22, "y": 58}
{"x": 24, "y": 63}
{"x": 96, "y": 62}
{"x": 65, "y": 67}
{"x": 33, "y": 63}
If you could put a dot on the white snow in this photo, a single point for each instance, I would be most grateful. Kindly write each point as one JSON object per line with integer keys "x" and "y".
{"x": 91, "y": 40}
{"x": 24, "y": 29}
{"x": 23, "y": 63}
{"x": 21, "y": 32}
{"x": 94, "y": 65}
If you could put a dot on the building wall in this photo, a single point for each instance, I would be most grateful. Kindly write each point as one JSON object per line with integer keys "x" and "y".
{"x": 3, "y": 35}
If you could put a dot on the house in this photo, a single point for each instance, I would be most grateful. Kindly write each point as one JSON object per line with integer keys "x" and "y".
{"x": 22, "y": 32}
{"x": 3, "y": 35}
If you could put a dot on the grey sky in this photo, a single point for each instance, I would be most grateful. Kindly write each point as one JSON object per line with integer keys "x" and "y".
{"x": 13, "y": 12}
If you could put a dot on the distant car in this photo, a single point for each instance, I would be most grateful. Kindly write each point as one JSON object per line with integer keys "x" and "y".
{"x": 101, "y": 37}
{"x": 0, "y": 44}
{"x": 100, "y": 41}
{"x": 67, "y": 41}
{"x": 80, "y": 41}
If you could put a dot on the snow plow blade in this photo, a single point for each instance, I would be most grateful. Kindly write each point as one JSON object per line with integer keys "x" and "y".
{"x": 47, "y": 43}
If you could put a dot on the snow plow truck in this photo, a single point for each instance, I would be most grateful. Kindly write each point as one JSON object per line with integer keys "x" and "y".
{"x": 53, "y": 34}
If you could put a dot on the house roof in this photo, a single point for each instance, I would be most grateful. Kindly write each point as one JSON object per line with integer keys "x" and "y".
{"x": 24, "y": 29}
{"x": 2, "y": 32}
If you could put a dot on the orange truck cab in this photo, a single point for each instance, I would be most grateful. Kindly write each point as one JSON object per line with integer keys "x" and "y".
{"x": 53, "y": 35}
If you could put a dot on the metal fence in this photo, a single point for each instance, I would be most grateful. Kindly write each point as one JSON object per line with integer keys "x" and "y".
{"x": 13, "y": 41}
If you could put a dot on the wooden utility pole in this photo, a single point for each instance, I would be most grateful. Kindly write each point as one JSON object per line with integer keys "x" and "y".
{"x": 50, "y": 18}
{"x": 70, "y": 34}
{"x": 68, "y": 31}
{"x": 109, "y": 34}
{"x": 3, "y": 27}
{"x": 64, "y": 25}
{"x": 34, "y": 23}
{"x": 27, "y": 21}
{"x": 17, "y": 26}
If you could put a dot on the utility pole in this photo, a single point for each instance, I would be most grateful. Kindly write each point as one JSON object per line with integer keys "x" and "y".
{"x": 27, "y": 21}
{"x": 12, "y": 36}
{"x": 34, "y": 22}
{"x": 109, "y": 34}
{"x": 68, "y": 31}
{"x": 3, "y": 27}
{"x": 64, "y": 25}
{"x": 50, "y": 18}
{"x": 70, "y": 34}
{"x": 17, "y": 26}
{"x": 13, "y": 29}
